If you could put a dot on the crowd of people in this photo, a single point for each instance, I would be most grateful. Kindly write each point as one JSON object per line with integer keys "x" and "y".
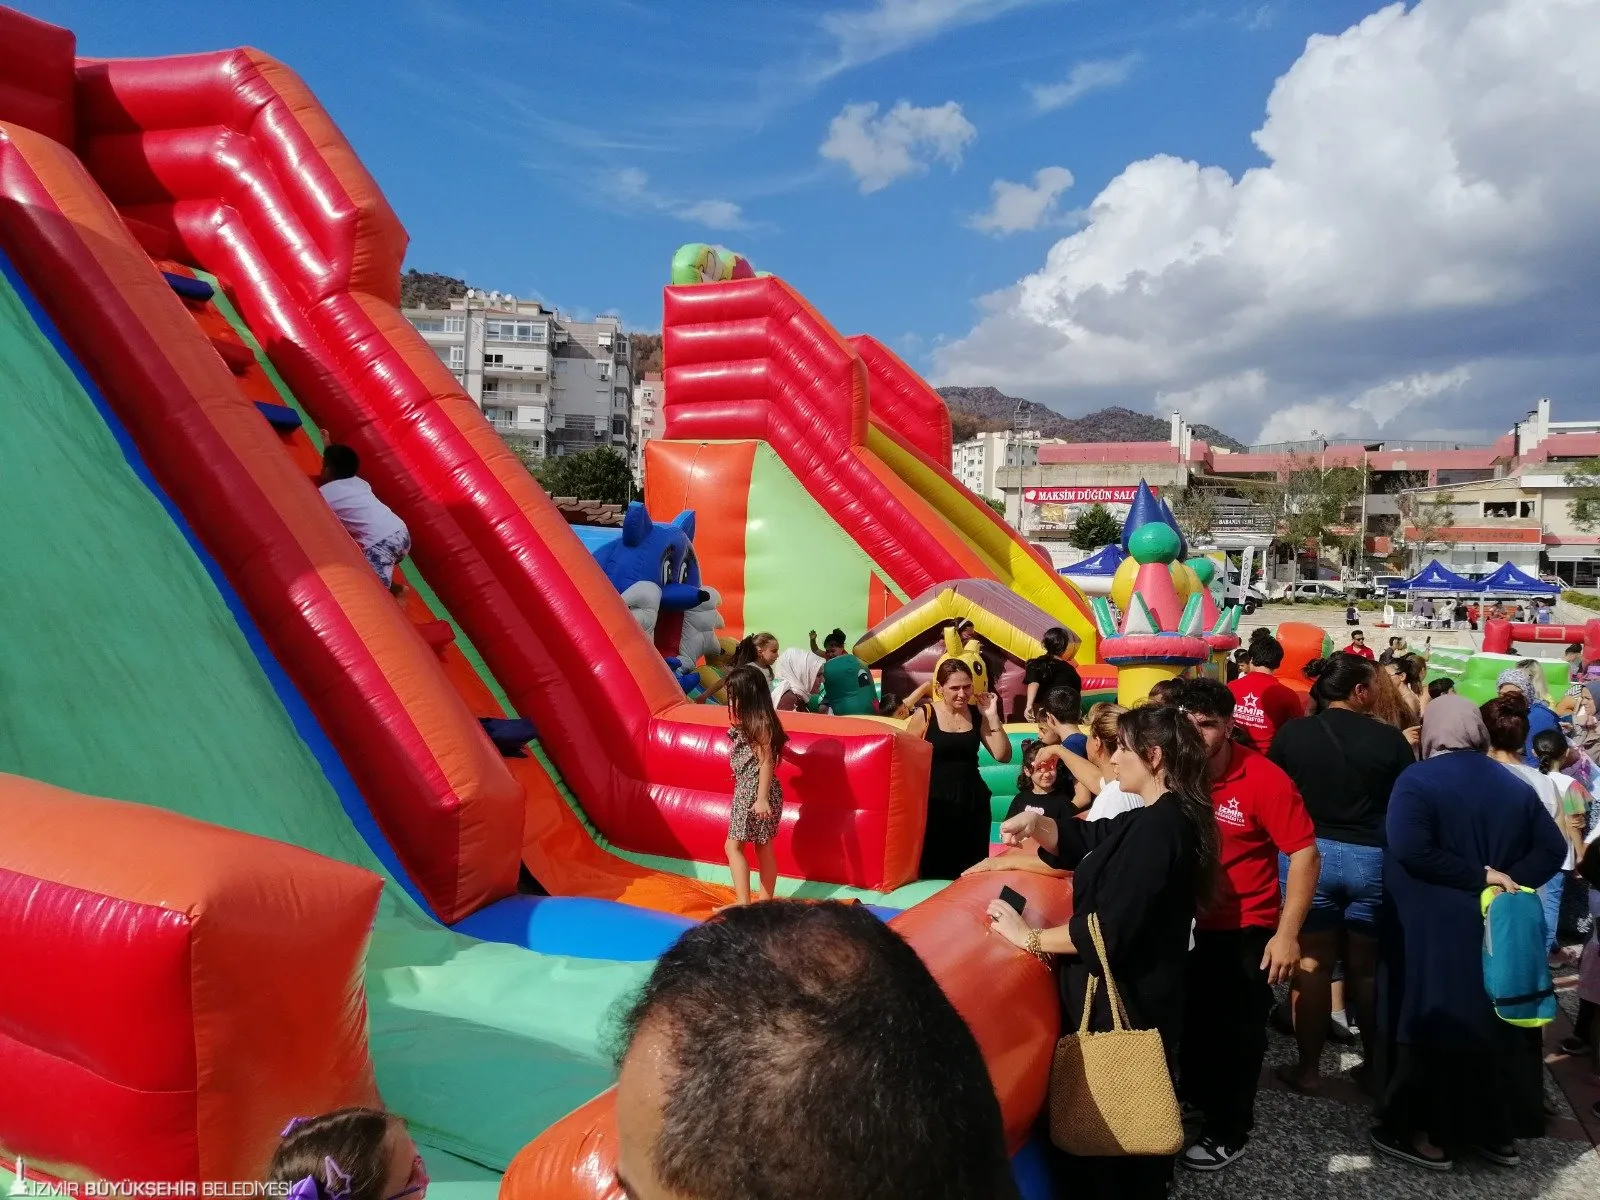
{"x": 1226, "y": 839}
{"x": 1465, "y": 613}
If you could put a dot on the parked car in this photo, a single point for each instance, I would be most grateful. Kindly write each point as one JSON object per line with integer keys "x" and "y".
{"x": 1309, "y": 589}
{"x": 1250, "y": 599}
{"x": 1388, "y": 585}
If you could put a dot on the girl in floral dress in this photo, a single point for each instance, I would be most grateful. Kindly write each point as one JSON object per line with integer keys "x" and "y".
{"x": 756, "y": 741}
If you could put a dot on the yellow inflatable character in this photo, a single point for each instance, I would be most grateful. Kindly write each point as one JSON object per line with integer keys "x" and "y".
{"x": 966, "y": 653}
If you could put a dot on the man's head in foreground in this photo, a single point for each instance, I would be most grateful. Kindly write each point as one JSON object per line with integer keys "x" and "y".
{"x": 787, "y": 1051}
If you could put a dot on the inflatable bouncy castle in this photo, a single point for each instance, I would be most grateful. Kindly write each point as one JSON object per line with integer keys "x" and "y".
{"x": 810, "y": 455}
{"x": 259, "y": 793}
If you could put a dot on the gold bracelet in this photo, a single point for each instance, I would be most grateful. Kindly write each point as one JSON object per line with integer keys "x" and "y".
{"x": 1034, "y": 948}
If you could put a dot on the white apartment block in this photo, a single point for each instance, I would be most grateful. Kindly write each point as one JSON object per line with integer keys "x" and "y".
{"x": 559, "y": 386}
{"x": 649, "y": 396}
{"x": 974, "y": 462}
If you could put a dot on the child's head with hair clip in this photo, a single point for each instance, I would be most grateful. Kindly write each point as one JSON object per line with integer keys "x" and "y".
{"x": 1037, "y": 777}
{"x": 349, "y": 1154}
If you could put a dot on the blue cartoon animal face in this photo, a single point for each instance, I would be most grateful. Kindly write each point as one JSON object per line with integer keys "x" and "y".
{"x": 656, "y": 553}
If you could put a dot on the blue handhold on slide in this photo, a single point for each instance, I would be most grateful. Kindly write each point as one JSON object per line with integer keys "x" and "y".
{"x": 188, "y": 287}
{"x": 576, "y": 926}
{"x": 279, "y": 416}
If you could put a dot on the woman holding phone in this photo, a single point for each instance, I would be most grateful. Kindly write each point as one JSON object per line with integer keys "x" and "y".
{"x": 1145, "y": 873}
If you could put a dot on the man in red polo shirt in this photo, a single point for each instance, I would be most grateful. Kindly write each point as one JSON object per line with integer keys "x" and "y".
{"x": 1260, "y": 702}
{"x": 1358, "y": 645}
{"x": 1243, "y": 943}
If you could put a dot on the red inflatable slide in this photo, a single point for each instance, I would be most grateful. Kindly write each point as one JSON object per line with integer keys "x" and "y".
{"x": 225, "y": 162}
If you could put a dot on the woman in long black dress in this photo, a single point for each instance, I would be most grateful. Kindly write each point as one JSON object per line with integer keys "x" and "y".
{"x": 1458, "y": 822}
{"x": 958, "y": 800}
{"x": 1145, "y": 873}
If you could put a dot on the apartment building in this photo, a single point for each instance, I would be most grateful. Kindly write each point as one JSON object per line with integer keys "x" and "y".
{"x": 649, "y": 398}
{"x": 974, "y": 462}
{"x": 558, "y": 386}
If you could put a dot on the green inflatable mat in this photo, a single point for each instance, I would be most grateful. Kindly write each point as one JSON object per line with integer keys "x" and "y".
{"x": 139, "y": 684}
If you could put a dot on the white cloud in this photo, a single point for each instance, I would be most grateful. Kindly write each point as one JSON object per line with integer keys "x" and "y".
{"x": 889, "y": 26}
{"x": 1416, "y": 254}
{"x": 1085, "y": 77}
{"x": 903, "y": 141}
{"x": 1022, "y": 206}
{"x": 631, "y": 187}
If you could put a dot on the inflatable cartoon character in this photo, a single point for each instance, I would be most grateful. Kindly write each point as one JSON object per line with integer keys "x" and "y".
{"x": 652, "y": 565}
{"x": 699, "y": 263}
{"x": 968, "y": 654}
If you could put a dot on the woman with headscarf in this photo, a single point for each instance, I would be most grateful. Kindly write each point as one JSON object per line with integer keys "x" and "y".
{"x": 1528, "y": 681}
{"x": 796, "y": 676}
{"x": 1458, "y": 822}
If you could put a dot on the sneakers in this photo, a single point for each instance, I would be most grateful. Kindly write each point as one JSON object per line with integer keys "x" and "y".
{"x": 1208, "y": 1154}
{"x": 1504, "y": 1156}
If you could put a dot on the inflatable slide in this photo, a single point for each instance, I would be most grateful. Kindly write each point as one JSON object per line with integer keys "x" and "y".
{"x": 243, "y": 745}
{"x": 819, "y": 459}
{"x": 240, "y": 173}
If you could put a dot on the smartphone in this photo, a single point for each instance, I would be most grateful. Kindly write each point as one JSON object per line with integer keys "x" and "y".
{"x": 1014, "y": 898}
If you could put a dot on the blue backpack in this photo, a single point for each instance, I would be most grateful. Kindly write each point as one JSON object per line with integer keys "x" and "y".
{"x": 1516, "y": 972}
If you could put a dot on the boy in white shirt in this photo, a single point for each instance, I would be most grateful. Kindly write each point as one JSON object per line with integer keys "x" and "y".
{"x": 382, "y": 536}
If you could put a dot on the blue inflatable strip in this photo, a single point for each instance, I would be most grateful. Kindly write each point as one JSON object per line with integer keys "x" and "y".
{"x": 577, "y": 927}
{"x": 882, "y": 912}
{"x": 1030, "y": 1169}
{"x": 279, "y": 416}
{"x": 187, "y": 287}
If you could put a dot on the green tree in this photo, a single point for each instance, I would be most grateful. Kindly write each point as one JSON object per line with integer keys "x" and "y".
{"x": 1584, "y": 507}
{"x": 1195, "y": 511}
{"x": 1429, "y": 519}
{"x": 1095, "y": 527}
{"x": 998, "y": 505}
{"x": 600, "y": 475}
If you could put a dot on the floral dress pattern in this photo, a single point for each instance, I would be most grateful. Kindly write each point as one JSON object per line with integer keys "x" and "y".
{"x": 743, "y": 824}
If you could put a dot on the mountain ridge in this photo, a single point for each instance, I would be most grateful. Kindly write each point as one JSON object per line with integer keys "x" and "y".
{"x": 977, "y": 409}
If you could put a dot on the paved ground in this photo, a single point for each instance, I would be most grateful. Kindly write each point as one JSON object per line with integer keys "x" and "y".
{"x": 1318, "y": 1147}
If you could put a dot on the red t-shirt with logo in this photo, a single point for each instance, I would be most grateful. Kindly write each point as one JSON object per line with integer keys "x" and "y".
{"x": 1259, "y": 815}
{"x": 1261, "y": 704}
{"x": 1363, "y": 651}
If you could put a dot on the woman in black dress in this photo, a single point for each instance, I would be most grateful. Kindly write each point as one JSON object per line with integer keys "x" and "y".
{"x": 1145, "y": 873}
{"x": 958, "y": 800}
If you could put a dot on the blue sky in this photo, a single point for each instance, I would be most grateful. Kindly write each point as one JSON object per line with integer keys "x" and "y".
{"x": 564, "y": 150}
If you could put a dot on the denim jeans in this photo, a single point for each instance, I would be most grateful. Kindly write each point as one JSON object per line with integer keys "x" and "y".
{"x": 1550, "y": 898}
{"x": 1349, "y": 888}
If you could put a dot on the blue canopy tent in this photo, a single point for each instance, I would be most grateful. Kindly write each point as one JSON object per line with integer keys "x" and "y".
{"x": 1510, "y": 580}
{"x": 1437, "y": 580}
{"x": 1093, "y": 574}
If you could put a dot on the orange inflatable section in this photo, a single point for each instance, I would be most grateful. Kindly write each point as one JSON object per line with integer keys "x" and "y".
{"x": 1006, "y": 997}
{"x": 1301, "y": 644}
{"x": 677, "y": 471}
{"x": 198, "y": 985}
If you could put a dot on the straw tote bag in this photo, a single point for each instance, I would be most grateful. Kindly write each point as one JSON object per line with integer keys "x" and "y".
{"x": 1111, "y": 1093}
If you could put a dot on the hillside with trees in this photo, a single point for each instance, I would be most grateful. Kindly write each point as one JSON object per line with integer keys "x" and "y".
{"x": 979, "y": 409}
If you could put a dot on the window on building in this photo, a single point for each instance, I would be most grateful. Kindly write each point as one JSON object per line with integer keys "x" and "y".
{"x": 458, "y": 356}
{"x": 428, "y": 324}
{"x": 494, "y": 360}
{"x": 1499, "y": 509}
{"x": 515, "y": 331}
{"x": 1492, "y": 556}
{"x": 455, "y": 324}
{"x": 491, "y": 387}
{"x": 605, "y": 371}
{"x": 619, "y": 425}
